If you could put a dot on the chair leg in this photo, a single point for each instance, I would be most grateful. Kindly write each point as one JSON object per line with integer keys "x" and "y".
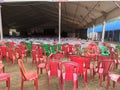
{"x": 59, "y": 84}
{"x": 36, "y": 83}
{"x": 113, "y": 84}
{"x": 22, "y": 83}
{"x": 40, "y": 70}
{"x": 101, "y": 77}
{"x": 108, "y": 83}
{"x": 37, "y": 70}
{"x": 85, "y": 79}
{"x": 91, "y": 73}
{"x": 8, "y": 83}
{"x": 48, "y": 83}
{"x": 75, "y": 85}
{"x": 63, "y": 84}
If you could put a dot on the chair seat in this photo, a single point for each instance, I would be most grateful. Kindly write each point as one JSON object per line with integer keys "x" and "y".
{"x": 59, "y": 73}
{"x": 1, "y": 66}
{"x": 42, "y": 57}
{"x": 100, "y": 70}
{"x": 41, "y": 65}
{"x": 91, "y": 66}
{"x": 31, "y": 76}
{"x": 75, "y": 77}
{"x": 4, "y": 76}
{"x": 114, "y": 77}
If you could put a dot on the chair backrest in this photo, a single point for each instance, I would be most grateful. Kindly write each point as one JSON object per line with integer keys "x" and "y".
{"x": 35, "y": 46}
{"x": 70, "y": 48}
{"x": 58, "y": 46}
{"x": 53, "y": 67}
{"x": 53, "y": 48}
{"x": 64, "y": 48}
{"x": 69, "y": 68}
{"x": 107, "y": 65}
{"x": 33, "y": 52}
{"x": 104, "y": 58}
{"x": 91, "y": 49}
{"x": 104, "y": 51}
{"x": 81, "y": 62}
{"x": 57, "y": 56}
{"x": 72, "y": 57}
{"x": 40, "y": 52}
{"x": 22, "y": 68}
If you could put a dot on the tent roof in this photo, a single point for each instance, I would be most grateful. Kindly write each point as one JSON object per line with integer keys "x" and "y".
{"x": 74, "y": 14}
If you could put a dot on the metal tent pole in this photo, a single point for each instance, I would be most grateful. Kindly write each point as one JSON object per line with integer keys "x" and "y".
{"x": 93, "y": 32}
{"x": 103, "y": 31}
{"x": 1, "y": 31}
{"x": 59, "y": 22}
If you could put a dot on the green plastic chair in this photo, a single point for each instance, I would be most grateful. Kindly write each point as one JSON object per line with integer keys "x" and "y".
{"x": 59, "y": 47}
{"x": 46, "y": 48}
{"x": 118, "y": 47}
{"x": 104, "y": 51}
{"x": 52, "y": 48}
{"x": 29, "y": 45}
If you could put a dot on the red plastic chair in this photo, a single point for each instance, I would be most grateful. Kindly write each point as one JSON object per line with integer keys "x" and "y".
{"x": 103, "y": 67}
{"x": 11, "y": 55}
{"x": 5, "y": 77}
{"x": 26, "y": 76}
{"x": 70, "y": 73}
{"x": 22, "y": 50}
{"x": 35, "y": 46}
{"x": 65, "y": 49}
{"x": 71, "y": 49}
{"x": 82, "y": 67}
{"x": 42, "y": 54}
{"x": 34, "y": 56}
{"x": 3, "y": 48}
{"x": 53, "y": 71}
{"x": 91, "y": 50}
{"x": 41, "y": 59}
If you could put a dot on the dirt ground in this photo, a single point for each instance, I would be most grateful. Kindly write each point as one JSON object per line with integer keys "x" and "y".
{"x": 43, "y": 85}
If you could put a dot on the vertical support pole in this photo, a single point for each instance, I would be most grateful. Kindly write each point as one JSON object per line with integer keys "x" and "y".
{"x": 119, "y": 36}
{"x": 108, "y": 35}
{"x": 87, "y": 33}
{"x": 1, "y": 31}
{"x": 113, "y": 33}
{"x": 93, "y": 33}
{"x": 103, "y": 31}
{"x": 59, "y": 22}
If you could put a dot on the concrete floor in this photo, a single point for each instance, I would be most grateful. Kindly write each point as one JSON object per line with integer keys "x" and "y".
{"x": 16, "y": 80}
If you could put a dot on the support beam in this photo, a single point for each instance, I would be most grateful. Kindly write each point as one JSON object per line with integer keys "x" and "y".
{"x": 59, "y": 22}
{"x": 103, "y": 31}
{"x": 1, "y": 31}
